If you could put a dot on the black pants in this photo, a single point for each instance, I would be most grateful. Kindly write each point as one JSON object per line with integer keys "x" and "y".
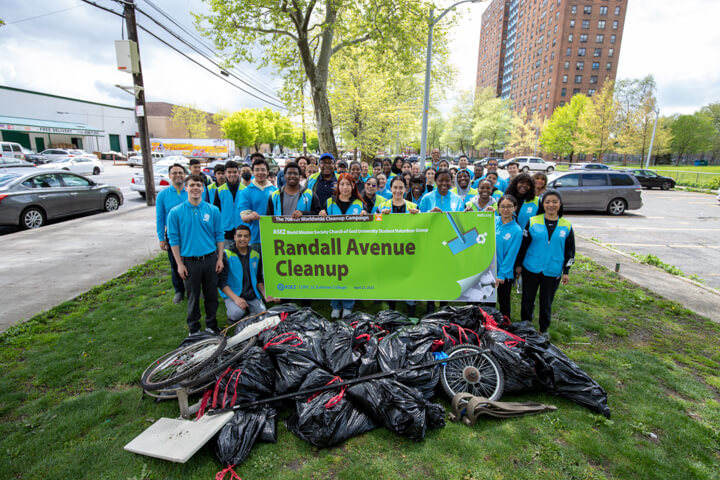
{"x": 548, "y": 287}
{"x": 503, "y": 296}
{"x": 201, "y": 276}
{"x": 177, "y": 282}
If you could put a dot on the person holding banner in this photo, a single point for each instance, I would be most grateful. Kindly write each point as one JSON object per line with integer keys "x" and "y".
{"x": 508, "y": 238}
{"x": 546, "y": 254}
{"x": 442, "y": 199}
{"x": 292, "y": 200}
{"x": 370, "y": 196}
{"x": 416, "y": 190}
{"x": 483, "y": 201}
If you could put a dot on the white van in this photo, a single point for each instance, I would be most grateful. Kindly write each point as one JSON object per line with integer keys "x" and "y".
{"x": 12, "y": 150}
{"x": 136, "y": 160}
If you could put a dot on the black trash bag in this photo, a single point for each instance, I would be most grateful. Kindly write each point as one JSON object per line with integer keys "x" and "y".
{"x": 496, "y": 315}
{"x": 510, "y": 352}
{"x": 408, "y": 347}
{"x": 468, "y": 316}
{"x": 269, "y": 430}
{"x": 303, "y": 320}
{"x": 249, "y": 379}
{"x": 392, "y": 320}
{"x": 295, "y": 354}
{"x": 238, "y": 436}
{"x": 327, "y": 418}
{"x": 399, "y": 408}
{"x": 559, "y": 375}
{"x": 338, "y": 348}
{"x": 526, "y": 331}
{"x": 368, "y": 357}
{"x": 454, "y": 334}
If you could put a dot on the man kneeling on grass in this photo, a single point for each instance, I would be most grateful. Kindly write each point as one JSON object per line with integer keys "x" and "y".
{"x": 241, "y": 281}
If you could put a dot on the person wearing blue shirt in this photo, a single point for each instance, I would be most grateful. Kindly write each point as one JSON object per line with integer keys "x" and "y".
{"x": 492, "y": 178}
{"x": 369, "y": 196}
{"x": 417, "y": 189}
{"x": 463, "y": 165}
{"x": 442, "y": 199}
{"x": 211, "y": 191}
{"x": 254, "y": 200}
{"x": 483, "y": 201}
{"x": 508, "y": 237}
{"x": 227, "y": 200}
{"x": 523, "y": 189}
{"x": 546, "y": 254}
{"x": 492, "y": 166}
{"x": 462, "y": 187}
{"x": 196, "y": 239}
{"x": 345, "y": 201}
{"x": 166, "y": 200}
{"x": 383, "y": 186}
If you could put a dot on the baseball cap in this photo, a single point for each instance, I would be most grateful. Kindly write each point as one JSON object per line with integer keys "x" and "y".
{"x": 327, "y": 155}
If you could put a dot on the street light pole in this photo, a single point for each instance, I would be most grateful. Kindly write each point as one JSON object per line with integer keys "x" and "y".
{"x": 652, "y": 138}
{"x": 428, "y": 61}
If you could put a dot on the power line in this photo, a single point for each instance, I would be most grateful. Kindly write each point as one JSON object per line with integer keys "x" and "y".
{"x": 44, "y": 15}
{"x": 271, "y": 97}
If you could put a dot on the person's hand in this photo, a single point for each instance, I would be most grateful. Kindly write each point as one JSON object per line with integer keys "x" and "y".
{"x": 363, "y": 212}
{"x": 164, "y": 245}
{"x": 271, "y": 299}
{"x": 468, "y": 209}
{"x": 182, "y": 271}
{"x": 240, "y": 302}
{"x": 297, "y": 214}
{"x": 219, "y": 265}
{"x": 413, "y": 210}
{"x": 498, "y": 282}
{"x": 490, "y": 208}
{"x": 385, "y": 211}
{"x": 436, "y": 209}
{"x": 254, "y": 216}
{"x": 518, "y": 271}
{"x": 565, "y": 279}
{"x": 322, "y": 213}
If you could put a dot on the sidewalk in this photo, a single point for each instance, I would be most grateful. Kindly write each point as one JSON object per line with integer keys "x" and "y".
{"x": 694, "y": 296}
{"x": 45, "y": 267}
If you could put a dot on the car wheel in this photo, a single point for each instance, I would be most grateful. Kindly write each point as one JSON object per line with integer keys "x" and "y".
{"x": 96, "y": 171}
{"x": 525, "y": 169}
{"x": 112, "y": 202}
{"x": 550, "y": 169}
{"x": 616, "y": 206}
{"x": 666, "y": 186}
{"x": 32, "y": 218}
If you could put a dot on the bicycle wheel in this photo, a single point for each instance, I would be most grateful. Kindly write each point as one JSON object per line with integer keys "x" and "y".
{"x": 229, "y": 356}
{"x": 169, "y": 393}
{"x": 479, "y": 375}
{"x": 179, "y": 364}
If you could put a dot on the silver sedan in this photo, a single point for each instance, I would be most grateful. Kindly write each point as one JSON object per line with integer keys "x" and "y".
{"x": 31, "y": 197}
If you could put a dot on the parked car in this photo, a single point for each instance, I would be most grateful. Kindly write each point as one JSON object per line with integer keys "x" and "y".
{"x": 525, "y": 164}
{"x": 650, "y": 179}
{"x": 12, "y": 162}
{"x": 167, "y": 161}
{"x": 589, "y": 166}
{"x": 484, "y": 161}
{"x": 11, "y": 150}
{"x": 81, "y": 165}
{"x": 31, "y": 197}
{"x": 53, "y": 154}
{"x": 32, "y": 157}
{"x": 209, "y": 169}
{"x": 161, "y": 175}
{"x": 611, "y": 191}
{"x": 137, "y": 161}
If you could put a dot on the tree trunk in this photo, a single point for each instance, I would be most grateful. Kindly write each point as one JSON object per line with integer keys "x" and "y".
{"x": 323, "y": 118}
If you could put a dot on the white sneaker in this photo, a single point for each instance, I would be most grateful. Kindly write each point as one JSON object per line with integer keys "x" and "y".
{"x": 346, "y": 312}
{"x": 335, "y": 313}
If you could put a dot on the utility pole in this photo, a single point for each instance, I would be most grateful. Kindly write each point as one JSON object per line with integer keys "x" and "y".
{"x": 140, "y": 110}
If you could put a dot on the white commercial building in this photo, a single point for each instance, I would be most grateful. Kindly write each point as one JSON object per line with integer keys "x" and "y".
{"x": 39, "y": 120}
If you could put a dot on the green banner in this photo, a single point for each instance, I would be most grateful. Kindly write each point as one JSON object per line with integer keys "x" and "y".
{"x": 426, "y": 256}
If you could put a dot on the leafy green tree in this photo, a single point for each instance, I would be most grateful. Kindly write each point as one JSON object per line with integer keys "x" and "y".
{"x": 190, "y": 119}
{"x": 636, "y": 116}
{"x": 712, "y": 111}
{"x": 458, "y": 132}
{"x": 598, "y": 123}
{"x": 436, "y": 126}
{"x": 240, "y": 127}
{"x": 492, "y": 120}
{"x": 524, "y": 132}
{"x": 561, "y": 130}
{"x": 303, "y": 36}
{"x": 691, "y": 134}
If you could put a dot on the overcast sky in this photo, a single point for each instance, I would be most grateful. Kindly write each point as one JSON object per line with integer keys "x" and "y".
{"x": 71, "y": 53}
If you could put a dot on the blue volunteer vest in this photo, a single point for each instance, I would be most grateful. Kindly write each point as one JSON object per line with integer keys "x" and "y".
{"x": 235, "y": 272}
{"x": 229, "y": 208}
{"x": 546, "y": 255}
{"x": 527, "y": 210}
{"x": 355, "y": 208}
{"x": 304, "y": 202}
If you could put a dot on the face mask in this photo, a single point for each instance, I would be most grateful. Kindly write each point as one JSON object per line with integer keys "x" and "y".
{"x": 246, "y": 176}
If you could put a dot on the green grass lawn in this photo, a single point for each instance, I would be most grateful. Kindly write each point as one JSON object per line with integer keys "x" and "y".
{"x": 688, "y": 176}
{"x": 69, "y": 397}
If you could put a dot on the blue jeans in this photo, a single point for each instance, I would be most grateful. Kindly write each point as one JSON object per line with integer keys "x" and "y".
{"x": 342, "y": 304}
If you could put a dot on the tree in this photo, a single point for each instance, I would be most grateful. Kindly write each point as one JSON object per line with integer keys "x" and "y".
{"x": 636, "y": 115}
{"x": 190, "y": 119}
{"x": 436, "y": 126}
{"x": 240, "y": 127}
{"x": 597, "y": 123}
{"x": 303, "y": 36}
{"x": 492, "y": 120}
{"x": 561, "y": 130}
{"x": 712, "y": 111}
{"x": 458, "y": 133}
{"x": 525, "y": 132}
{"x": 691, "y": 134}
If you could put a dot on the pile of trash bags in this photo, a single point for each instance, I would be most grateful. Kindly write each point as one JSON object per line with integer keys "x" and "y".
{"x": 306, "y": 351}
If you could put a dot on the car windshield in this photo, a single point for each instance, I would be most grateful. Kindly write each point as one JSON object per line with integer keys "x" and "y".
{"x": 63, "y": 160}
{"x": 77, "y": 152}
{"x": 6, "y": 178}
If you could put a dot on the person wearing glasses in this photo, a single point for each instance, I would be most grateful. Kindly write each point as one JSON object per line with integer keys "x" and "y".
{"x": 370, "y": 196}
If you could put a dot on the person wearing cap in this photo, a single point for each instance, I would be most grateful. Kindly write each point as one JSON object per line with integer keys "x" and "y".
{"x": 211, "y": 191}
{"x": 341, "y": 166}
{"x": 546, "y": 254}
{"x": 323, "y": 183}
{"x": 254, "y": 200}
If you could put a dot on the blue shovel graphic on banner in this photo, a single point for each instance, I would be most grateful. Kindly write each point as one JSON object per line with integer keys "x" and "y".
{"x": 463, "y": 240}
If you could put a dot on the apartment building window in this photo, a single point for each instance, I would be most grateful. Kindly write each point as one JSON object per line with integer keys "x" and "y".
{"x": 549, "y": 80}
{"x": 546, "y": 105}
{"x": 564, "y": 78}
{"x": 567, "y": 65}
{"x": 551, "y": 69}
{"x": 612, "y": 38}
{"x": 593, "y": 79}
{"x": 580, "y": 66}
{"x": 599, "y": 38}
{"x": 610, "y": 52}
{"x": 597, "y": 52}
{"x": 583, "y": 38}
{"x": 591, "y": 92}
{"x": 547, "y": 95}
{"x": 603, "y": 10}
{"x": 552, "y": 56}
{"x": 617, "y": 10}
{"x": 586, "y": 24}
{"x": 615, "y": 25}
{"x": 572, "y": 23}
{"x": 576, "y": 91}
{"x": 596, "y": 66}
{"x": 573, "y": 9}
{"x": 587, "y": 9}
{"x": 608, "y": 66}
{"x": 562, "y": 103}
{"x": 570, "y": 37}
{"x": 578, "y": 78}
{"x": 568, "y": 52}
{"x": 581, "y": 52}
{"x": 601, "y": 24}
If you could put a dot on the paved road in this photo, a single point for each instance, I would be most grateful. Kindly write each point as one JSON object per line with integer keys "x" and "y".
{"x": 680, "y": 228}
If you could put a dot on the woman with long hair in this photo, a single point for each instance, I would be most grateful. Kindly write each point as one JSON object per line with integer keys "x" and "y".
{"x": 522, "y": 188}
{"x": 370, "y": 196}
{"x": 429, "y": 179}
{"x": 540, "y": 180}
{"x": 508, "y": 238}
{"x": 546, "y": 254}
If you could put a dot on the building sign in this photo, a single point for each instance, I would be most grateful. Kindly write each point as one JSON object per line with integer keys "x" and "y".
{"x": 426, "y": 256}
{"x": 60, "y": 131}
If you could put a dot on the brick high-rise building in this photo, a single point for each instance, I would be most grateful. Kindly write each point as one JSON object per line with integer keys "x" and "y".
{"x": 539, "y": 53}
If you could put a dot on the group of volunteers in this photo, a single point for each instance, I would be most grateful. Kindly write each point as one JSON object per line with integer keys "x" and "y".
{"x": 211, "y": 229}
